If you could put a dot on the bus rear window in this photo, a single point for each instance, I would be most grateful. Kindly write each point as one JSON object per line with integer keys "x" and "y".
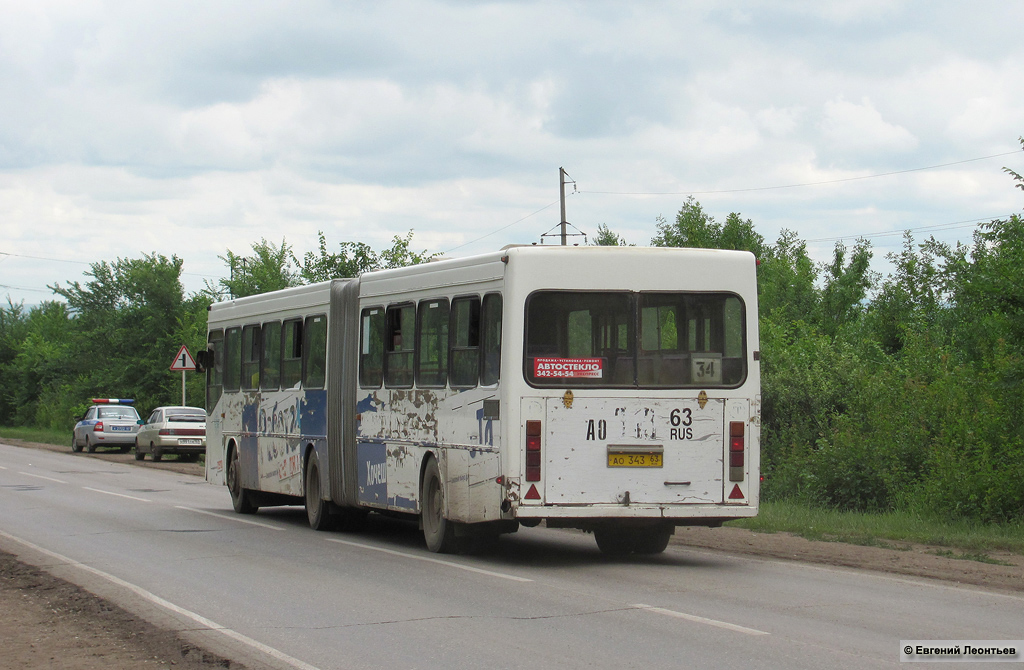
{"x": 642, "y": 340}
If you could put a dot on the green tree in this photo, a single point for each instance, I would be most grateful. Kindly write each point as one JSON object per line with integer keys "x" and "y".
{"x": 269, "y": 268}
{"x": 693, "y": 227}
{"x": 846, "y": 286}
{"x": 355, "y": 258}
{"x": 126, "y": 324}
{"x": 606, "y": 238}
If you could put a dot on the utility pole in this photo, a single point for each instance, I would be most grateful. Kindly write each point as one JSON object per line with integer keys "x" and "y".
{"x": 561, "y": 180}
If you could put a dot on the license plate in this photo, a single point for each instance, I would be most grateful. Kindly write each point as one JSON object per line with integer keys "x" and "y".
{"x": 121, "y": 429}
{"x": 634, "y": 460}
{"x": 189, "y": 441}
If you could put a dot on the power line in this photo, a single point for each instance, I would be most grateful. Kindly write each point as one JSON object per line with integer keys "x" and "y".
{"x": 938, "y": 227}
{"x": 812, "y": 183}
{"x": 65, "y": 260}
{"x": 498, "y": 230}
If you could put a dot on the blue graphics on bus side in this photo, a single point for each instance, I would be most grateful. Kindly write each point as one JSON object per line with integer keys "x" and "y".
{"x": 373, "y": 474}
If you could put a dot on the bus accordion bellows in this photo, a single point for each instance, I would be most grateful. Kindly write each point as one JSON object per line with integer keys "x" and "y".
{"x": 610, "y": 389}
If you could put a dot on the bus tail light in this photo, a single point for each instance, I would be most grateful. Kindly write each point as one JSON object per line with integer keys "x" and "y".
{"x": 736, "y": 451}
{"x": 98, "y": 427}
{"x": 533, "y": 431}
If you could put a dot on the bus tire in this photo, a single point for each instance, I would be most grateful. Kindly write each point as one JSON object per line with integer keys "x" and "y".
{"x": 615, "y": 541}
{"x": 438, "y": 531}
{"x": 317, "y": 510}
{"x": 652, "y": 540}
{"x": 241, "y": 499}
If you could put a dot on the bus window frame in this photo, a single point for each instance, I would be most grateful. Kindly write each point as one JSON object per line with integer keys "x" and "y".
{"x": 484, "y": 379}
{"x": 294, "y": 373}
{"x": 390, "y": 353}
{"x": 364, "y": 330}
{"x": 248, "y": 374}
{"x": 441, "y": 377}
{"x": 636, "y": 343}
{"x": 270, "y": 382}
{"x": 232, "y": 379}
{"x": 453, "y": 348}
{"x": 307, "y": 351}
{"x": 215, "y": 373}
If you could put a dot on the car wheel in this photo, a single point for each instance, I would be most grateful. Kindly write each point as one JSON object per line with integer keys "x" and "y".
{"x": 75, "y": 446}
{"x": 89, "y": 446}
{"x": 157, "y": 453}
{"x": 139, "y": 454}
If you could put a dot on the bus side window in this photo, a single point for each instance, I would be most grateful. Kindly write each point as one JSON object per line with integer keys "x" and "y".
{"x": 465, "y": 342}
{"x": 250, "y": 357}
{"x": 232, "y": 358}
{"x": 215, "y": 373}
{"x": 399, "y": 346}
{"x": 432, "y": 344}
{"x": 291, "y": 353}
{"x": 491, "y": 339}
{"x": 270, "y": 361}
{"x": 314, "y": 352}
{"x": 371, "y": 347}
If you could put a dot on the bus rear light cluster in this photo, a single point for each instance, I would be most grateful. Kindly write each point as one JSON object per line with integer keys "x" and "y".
{"x": 533, "y": 457}
{"x": 736, "y": 451}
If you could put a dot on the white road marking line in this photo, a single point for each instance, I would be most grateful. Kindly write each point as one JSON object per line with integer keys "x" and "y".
{"x": 49, "y": 479}
{"x": 699, "y": 619}
{"x": 229, "y": 518}
{"x": 157, "y": 600}
{"x": 119, "y": 495}
{"x": 431, "y": 560}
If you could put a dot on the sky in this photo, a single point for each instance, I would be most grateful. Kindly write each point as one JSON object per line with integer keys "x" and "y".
{"x": 195, "y": 127}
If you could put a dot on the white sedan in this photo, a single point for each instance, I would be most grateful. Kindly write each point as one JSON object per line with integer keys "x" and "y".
{"x": 172, "y": 430}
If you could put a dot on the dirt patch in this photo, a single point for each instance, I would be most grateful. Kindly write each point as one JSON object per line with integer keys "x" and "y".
{"x": 50, "y": 623}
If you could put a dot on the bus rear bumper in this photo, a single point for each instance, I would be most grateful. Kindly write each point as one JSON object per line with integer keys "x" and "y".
{"x": 571, "y": 516}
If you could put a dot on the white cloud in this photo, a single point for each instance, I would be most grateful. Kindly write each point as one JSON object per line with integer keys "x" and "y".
{"x": 858, "y": 129}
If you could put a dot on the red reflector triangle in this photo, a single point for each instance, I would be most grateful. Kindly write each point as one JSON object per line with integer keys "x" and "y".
{"x": 736, "y": 493}
{"x": 532, "y": 494}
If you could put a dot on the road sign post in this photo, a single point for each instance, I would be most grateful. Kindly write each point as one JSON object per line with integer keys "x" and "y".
{"x": 183, "y": 361}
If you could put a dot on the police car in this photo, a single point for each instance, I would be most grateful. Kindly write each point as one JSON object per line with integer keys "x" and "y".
{"x": 110, "y": 422}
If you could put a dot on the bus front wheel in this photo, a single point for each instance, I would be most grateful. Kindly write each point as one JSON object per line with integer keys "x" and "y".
{"x": 438, "y": 531}
{"x": 241, "y": 499}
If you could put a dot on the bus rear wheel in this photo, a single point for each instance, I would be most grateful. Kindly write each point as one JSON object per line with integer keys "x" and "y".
{"x": 438, "y": 531}
{"x": 241, "y": 499}
{"x": 653, "y": 540}
{"x": 615, "y": 541}
{"x": 317, "y": 509}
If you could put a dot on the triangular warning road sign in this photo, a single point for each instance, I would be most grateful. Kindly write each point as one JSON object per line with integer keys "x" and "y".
{"x": 183, "y": 360}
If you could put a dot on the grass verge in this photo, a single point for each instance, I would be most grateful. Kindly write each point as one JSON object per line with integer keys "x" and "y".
{"x": 43, "y": 435}
{"x": 973, "y": 539}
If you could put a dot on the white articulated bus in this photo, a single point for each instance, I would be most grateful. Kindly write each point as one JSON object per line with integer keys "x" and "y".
{"x": 611, "y": 389}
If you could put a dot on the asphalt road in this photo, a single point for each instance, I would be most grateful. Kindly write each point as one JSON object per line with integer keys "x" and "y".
{"x": 267, "y": 590}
